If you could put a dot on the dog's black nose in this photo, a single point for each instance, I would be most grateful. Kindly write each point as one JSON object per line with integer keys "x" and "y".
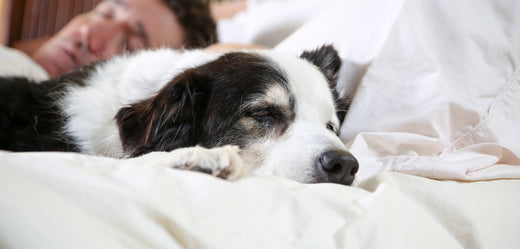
{"x": 339, "y": 165}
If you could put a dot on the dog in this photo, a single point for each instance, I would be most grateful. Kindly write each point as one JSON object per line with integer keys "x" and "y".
{"x": 255, "y": 111}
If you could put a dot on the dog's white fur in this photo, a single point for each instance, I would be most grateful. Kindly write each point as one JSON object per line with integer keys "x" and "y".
{"x": 120, "y": 82}
{"x": 128, "y": 79}
{"x": 294, "y": 154}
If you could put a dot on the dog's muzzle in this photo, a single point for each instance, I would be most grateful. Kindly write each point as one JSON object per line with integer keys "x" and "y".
{"x": 339, "y": 166}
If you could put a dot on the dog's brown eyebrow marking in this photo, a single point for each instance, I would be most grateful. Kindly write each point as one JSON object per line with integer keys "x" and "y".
{"x": 276, "y": 95}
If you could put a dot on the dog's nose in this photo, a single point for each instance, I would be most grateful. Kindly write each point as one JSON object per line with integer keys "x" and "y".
{"x": 339, "y": 165}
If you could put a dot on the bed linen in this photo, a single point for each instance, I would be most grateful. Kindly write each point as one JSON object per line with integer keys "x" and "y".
{"x": 16, "y": 63}
{"x": 436, "y": 84}
{"x": 66, "y": 200}
{"x": 267, "y": 22}
{"x": 434, "y": 124}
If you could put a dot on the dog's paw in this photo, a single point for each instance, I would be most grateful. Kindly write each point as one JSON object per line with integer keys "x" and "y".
{"x": 223, "y": 162}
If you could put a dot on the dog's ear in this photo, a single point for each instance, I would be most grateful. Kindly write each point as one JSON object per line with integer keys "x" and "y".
{"x": 326, "y": 58}
{"x": 167, "y": 121}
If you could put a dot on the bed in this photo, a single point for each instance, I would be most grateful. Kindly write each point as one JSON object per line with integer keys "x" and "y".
{"x": 434, "y": 123}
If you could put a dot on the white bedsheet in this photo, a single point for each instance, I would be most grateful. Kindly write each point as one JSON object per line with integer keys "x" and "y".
{"x": 267, "y": 22}
{"x": 437, "y": 95}
{"x": 15, "y": 63}
{"x": 436, "y": 83}
{"x": 60, "y": 200}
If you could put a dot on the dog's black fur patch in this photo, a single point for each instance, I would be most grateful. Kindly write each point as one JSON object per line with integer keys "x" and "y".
{"x": 30, "y": 119}
{"x": 199, "y": 106}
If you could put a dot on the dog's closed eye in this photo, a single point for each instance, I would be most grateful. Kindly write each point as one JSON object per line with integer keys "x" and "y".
{"x": 261, "y": 113}
{"x": 266, "y": 114}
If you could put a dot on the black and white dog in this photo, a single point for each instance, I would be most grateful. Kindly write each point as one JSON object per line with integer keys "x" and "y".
{"x": 280, "y": 113}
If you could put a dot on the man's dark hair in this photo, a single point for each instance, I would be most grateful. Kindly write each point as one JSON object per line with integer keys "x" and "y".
{"x": 194, "y": 16}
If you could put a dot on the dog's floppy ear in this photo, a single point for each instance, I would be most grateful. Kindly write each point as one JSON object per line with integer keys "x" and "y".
{"x": 167, "y": 121}
{"x": 327, "y": 59}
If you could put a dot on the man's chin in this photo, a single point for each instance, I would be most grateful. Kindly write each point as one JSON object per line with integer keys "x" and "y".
{"x": 52, "y": 70}
{"x": 54, "y": 61}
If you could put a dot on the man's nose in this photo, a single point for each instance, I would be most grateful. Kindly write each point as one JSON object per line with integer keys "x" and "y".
{"x": 107, "y": 38}
{"x": 101, "y": 38}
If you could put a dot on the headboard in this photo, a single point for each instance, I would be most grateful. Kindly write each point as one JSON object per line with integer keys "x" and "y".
{"x": 32, "y": 21}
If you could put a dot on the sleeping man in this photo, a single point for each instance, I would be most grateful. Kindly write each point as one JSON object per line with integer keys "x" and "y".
{"x": 117, "y": 26}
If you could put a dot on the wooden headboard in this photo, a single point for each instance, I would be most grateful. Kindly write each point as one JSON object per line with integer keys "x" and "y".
{"x": 32, "y": 21}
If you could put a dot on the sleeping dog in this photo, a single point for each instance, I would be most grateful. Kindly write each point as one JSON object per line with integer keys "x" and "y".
{"x": 257, "y": 111}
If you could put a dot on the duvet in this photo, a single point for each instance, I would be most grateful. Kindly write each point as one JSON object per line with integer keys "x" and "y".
{"x": 434, "y": 124}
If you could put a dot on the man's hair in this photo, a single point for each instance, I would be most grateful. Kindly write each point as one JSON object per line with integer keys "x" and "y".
{"x": 194, "y": 16}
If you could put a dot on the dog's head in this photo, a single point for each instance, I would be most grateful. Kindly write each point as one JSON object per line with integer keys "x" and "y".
{"x": 282, "y": 112}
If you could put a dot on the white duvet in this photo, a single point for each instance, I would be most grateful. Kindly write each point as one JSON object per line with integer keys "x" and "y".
{"x": 434, "y": 123}
{"x": 76, "y": 201}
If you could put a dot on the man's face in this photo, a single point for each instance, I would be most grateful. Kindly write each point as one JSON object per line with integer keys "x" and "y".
{"x": 113, "y": 27}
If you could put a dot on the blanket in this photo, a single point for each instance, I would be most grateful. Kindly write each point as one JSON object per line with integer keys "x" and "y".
{"x": 434, "y": 124}
{"x": 437, "y": 85}
{"x": 66, "y": 200}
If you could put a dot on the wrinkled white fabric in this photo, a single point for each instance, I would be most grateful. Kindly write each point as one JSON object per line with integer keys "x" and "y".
{"x": 436, "y": 84}
{"x": 267, "y": 22}
{"x": 16, "y": 63}
{"x": 66, "y": 200}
